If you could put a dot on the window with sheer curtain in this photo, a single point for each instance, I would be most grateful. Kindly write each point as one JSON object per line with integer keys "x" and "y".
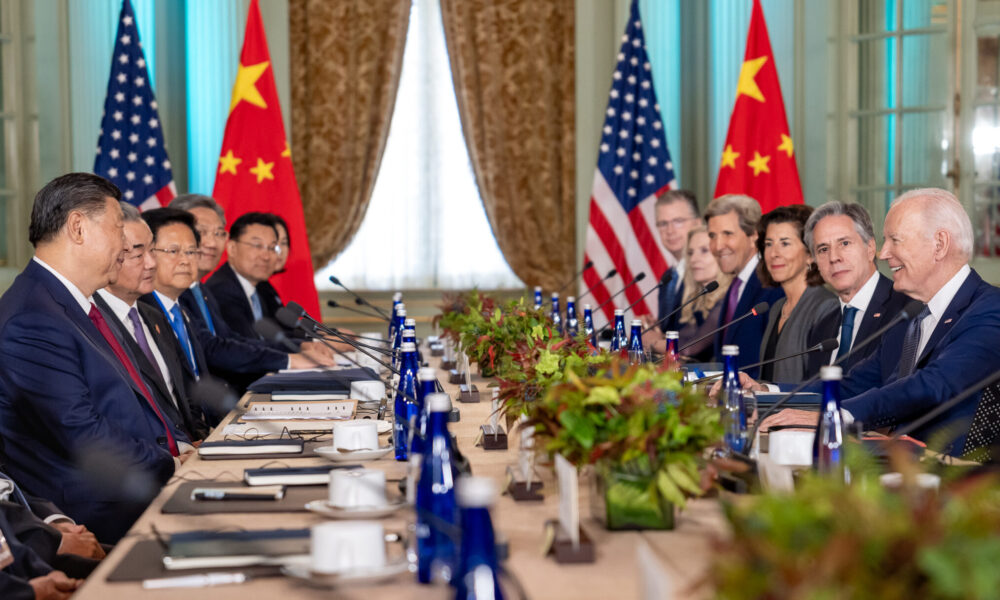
{"x": 425, "y": 226}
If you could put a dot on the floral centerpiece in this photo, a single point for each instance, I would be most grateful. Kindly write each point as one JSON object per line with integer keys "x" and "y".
{"x": 643, "y": 431}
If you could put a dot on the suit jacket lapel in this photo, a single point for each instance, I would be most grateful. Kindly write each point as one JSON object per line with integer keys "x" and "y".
{"x": 874, "y": 314}
{"x": 150, "y": 373}
{"x": 951, "y": 314}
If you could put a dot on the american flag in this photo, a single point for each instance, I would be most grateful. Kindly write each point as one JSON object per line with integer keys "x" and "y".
{"x": 633, "y": 168}
{"x": 130, "y": 150}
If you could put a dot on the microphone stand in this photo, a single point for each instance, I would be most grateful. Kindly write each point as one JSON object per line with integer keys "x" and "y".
{"x": 610, "y": 274}
{"x": 336, "y": 281}
{"x": 641, "y": 298}
{"x": 824, "y": 346}
{"x": 634, "y": 281}
{"x": 586, "y": 266}
{"x": 709, "y": 288}
{"x": 760, "y": 309}
{"x": 335, "y": 304}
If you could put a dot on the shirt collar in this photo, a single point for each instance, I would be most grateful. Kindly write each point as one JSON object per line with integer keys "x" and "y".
{"x": 167, "y": 303}
{"x": 863, "y": 297}
{"x": 248, "y": 288}
{"x": 81, "y": 299}
{"x": 939, "y": 303}
{"x": 748, "y": 269}
{"x": 117, "y": 305}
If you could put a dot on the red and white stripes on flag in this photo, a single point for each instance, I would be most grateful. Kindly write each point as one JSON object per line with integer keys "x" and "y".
{"x": 633, "y": 168}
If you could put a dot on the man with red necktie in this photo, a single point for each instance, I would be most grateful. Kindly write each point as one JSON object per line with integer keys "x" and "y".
{"x": 79, "y": 426}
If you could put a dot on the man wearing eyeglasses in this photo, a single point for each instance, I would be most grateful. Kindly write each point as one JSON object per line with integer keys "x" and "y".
{"x": 676, "y": 214}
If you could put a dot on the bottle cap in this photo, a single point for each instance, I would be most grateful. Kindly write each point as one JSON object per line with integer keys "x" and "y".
{"x": 570, "y": 298}
{"x": 671, "y": 335}
{"x": 636, "y": 323}
{"x": 408, "y": 333}
{"x": 729, "y": 350}
{"x": 438, "y": 402}
{"x": 410, "y": 322}
{"x": 398, "y": 296}
{"x": 587, "y": 306}
{"x": 408, "y": 347}
{"x": 401, "y": 312}
{"x": 831, "y": 373}
{"x": 475, "y": 492}
{"x": 426, "y": 374}
{"x": 555, "y": 295}
{"x": 619, "y": 312}
{"x": 538, "y": 288}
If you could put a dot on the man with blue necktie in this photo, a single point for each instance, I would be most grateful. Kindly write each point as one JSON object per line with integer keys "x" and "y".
{"x": 676, "y": 215}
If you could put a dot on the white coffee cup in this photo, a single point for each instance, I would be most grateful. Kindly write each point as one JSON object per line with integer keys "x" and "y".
{"x": 357, "y": 488}
{"x": 347, "y": 546}
{"x": 367, "y": 391}
{"x": 360, "y": 434}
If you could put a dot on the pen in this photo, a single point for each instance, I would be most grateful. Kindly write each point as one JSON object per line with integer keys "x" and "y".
{"x": 191, "y": 581}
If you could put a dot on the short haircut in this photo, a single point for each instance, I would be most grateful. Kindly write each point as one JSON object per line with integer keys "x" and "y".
{"x": 746, "y": 208}
{"x": 130, "y": 214}
{"x": 279, "y": 220}
{"x": 189, "y": 201}
{"x": 942, "y": 210}
{"x": 84, "y": 192}
{"x": 245, "y": 220}
{"x": 671, "y": 196}
{"x": 857, "y": 213}
{"x": 161, "y": 217}
{"x": 797, "y": 215}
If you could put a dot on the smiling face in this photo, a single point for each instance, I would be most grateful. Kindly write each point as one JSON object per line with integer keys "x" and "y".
{"x": 253, "y": 255}
{"x": 176, "y": 259}
{"x": 784, "y": 253}
{"x": 731, "y": 246}
{"x": 845, "y": 261}
{"x": 138, "y": 271}
{"x": 910, "y": 253}
{"x": 700, "y": 259}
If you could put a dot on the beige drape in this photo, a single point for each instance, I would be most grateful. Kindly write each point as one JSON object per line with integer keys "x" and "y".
{"x": 346, "y": 57}
{"x": 513, "y": 66}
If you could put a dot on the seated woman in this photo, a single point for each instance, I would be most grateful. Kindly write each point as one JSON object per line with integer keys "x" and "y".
{"x": 702, "y": 315}
{"x": 786, "y": 261}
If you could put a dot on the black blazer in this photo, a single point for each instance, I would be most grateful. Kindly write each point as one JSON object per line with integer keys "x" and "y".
{"x": 233, "y": 303}
{"x": 884, "y": 305}
{"x": 667, "y": 302}
{"x": 182, "y": 416}
{"x": 27, "y": 565}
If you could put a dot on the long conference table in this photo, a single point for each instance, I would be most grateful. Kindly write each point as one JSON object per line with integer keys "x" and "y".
{"x": 683, "y": 553}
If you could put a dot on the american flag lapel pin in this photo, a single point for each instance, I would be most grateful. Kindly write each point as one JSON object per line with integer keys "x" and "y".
{"x": 876, "y": 315}
{"x": 947, "y": 321}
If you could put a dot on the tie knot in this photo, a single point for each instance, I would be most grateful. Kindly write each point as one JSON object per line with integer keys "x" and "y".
{"x": 175, "y": 310}
{"x": 926, "y": 312}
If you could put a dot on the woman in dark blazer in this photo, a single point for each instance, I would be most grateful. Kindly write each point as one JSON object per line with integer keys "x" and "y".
{"x": 785, "y": 261}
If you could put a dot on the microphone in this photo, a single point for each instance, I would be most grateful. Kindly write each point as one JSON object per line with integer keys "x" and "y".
{"x": 610, "y": 274}
{"x": 586, "y": 266}
{"x": 828, "y": 345}
{"x": 710, "y": 287}
{"x": 335, "y": 281}
{"x": 629, "y": 307}
{"x": 759, "y": 309}
{"x": 634, "y": 281}
{"x": 291, "y": 315}
{"x": 335, "y": 304}
{"x": 291, "y": 318}
{"x": 912, "y": 309}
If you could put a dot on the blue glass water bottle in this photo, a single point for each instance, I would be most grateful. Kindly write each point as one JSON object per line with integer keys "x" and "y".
{"x": 538, "y": 297}
{"x": 406, "y": 335}
{"x": 588, "y": 325}
{"x": 394, "y": 321}
{"x": 619, "y": 343}
{"x": 478, "y": 572}
{"x": 426, "y": 385}
{"x": 398, "y": 317}
{"x": 828, "y": 446}
{"x": 734, "y": 419}
{"x": 572, "y": 323}
{"x": 636, "y": 355}
{"x": 670, "y": 353}
{"x": 557, "y": 322}
{"x": 410, "y": 324}
{"x": 404, "y": 408}
{"x": 435, "y": 502}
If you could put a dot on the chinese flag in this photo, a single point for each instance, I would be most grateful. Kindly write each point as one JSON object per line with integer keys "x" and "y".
{"x": 759, "y": 159}
{"x": 255, "y": 166}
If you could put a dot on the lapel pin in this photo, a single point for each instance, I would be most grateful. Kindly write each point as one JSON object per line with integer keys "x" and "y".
{"x": 947, "y": 321}
{"x": 876, "y": 315}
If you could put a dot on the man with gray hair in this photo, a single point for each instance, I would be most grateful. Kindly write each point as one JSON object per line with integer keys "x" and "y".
{"x": 732, "y": 233}
{"x": 842, "y": 241}
{"x": 945, "y": 350}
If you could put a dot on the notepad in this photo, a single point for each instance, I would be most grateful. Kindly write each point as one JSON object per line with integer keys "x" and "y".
{"x": 319, "y": 475}
{"x": 241, "y": 447}
{"x": 222, "y": 494}
{"x": 214, "y": 549}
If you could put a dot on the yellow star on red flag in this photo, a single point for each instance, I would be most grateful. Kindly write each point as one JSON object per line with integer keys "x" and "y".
{"x": 786, "y": 145}
{"x": 263, "y": 170}
{"x": 729, "y": 157}
{"x": 759, "y": 163}
{"x": 228, "y": 163}
{"x": 747, "y": 84}
{"x": 246, "y": 85}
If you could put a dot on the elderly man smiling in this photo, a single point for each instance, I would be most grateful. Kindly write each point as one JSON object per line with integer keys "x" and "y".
{"x": 948, "y": 347}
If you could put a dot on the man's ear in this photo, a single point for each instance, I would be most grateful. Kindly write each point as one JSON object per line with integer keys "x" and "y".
{"x": 75, "y": 227}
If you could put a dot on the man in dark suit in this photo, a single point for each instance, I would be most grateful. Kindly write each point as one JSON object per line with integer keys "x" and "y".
{"x": 732, "y": 233}
{"x": 26, "y": 576}
{"x": 946, "y": 349}
{"x": 145, "y": 332}
{"x": 842, "y": 241}
{"x": 69, "y": 394}
{"x": 676, "y": 215}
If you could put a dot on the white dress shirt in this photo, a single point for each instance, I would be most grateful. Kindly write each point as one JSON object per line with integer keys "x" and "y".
{"x": 81, "y": 299}
{"x": 249, "y": 289}
{"x": 938, "y": 304}
{"x": 121, "y": 309}
{"x": 862, "y": 298}
{"x": 746, "y": 273}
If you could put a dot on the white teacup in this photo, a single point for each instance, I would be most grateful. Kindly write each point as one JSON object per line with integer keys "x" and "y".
{"x": 347, "y": 546}
{"x": 360, "y": 434}
{"x": 357, "y": 488}
{"x": 367, "y": 391}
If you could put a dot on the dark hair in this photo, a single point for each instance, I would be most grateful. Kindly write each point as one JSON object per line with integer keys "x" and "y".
{"x": 797, "y": 215}
{"x": 672, "y": 196}
{"x": 276, "y": 220}
{"x": 189, "y": 201}
{"x": 84, "y": 192}
{"x": 245, "y": 220}
{"x": 161, "y": 217}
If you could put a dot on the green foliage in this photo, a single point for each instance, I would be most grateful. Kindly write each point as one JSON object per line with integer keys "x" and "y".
{"x": 636, "y": 420}
{"x": 863, "y": 541}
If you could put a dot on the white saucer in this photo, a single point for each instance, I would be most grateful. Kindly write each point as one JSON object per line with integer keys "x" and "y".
{"x": 302, "y": 570}
{"x": 323, "y": 507}
{"x": 360, "y": 455}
